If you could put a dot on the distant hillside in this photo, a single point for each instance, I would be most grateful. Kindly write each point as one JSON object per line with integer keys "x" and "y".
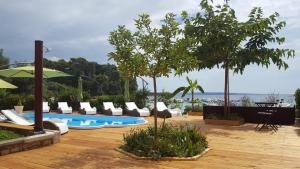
{"x": 98, "y": 79}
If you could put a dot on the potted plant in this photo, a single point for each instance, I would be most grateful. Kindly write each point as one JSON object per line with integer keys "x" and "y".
{"x": 19, "y": 107}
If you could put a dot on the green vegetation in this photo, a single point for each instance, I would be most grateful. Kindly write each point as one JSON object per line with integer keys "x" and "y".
{"x": 197, "y": 108}
{"x": 171, "y": 142}
{"x": 218, "y": 39}
{"x": 7, "y": 135}
{"x": 118, "y": 101}
{"x": 192, "y": 86}
{"x": 3, "y": 60}
{"x": 97, "y": 79}
{"x": 297, "y": 98}
{"x": 150, "y": 51}
{"x": 165, "y": 97}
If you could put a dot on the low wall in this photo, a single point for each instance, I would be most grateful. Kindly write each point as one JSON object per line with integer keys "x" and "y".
{"x": 29, "y": 142}
{"x": 281, "y": 115}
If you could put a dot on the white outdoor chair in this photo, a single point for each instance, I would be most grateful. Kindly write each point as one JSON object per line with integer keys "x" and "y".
{"x": 64, "y": 108}
{"x": 109, "y": 109}
{"x": 46, "y": 108}
{"x": 133, "y": 110}
{"x": 87, "y": 109}
{"x": 161, "y": 107}
{"x": 16, "y": 118}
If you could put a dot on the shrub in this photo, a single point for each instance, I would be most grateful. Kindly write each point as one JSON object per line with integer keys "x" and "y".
{"x": 272, "y": 98}
{"x": 246, "y": 101}
{"x": 197, "y": 108}
{"x": 28, "y": 102}
{"x": 165, "y": 97}
{"x": 140, "y": 97}
{"x": 70, "y": 95}
{"x": 118, "y": 101}
{"x": 7, "y": 135}
{"x": 171, "y": 142}
{"x": 9, "y": 101}
{"x": 297, "y": 98}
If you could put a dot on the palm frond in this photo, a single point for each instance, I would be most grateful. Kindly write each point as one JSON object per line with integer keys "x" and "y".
{"x": 177, "y": 91}
{"x": 189, "y": 81}
{"x": 185, "y": 91}
{"x": 200, "y": 89}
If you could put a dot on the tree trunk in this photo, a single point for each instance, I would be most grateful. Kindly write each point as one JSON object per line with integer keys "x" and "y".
{"x": 126, "y": 89}
{"x": 193, "y": 100}
{"x": 155, "y": 108}
{"x": 226, "y": 91}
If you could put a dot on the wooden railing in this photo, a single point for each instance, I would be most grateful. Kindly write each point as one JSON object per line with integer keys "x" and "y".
{"x": 281, "y": 115}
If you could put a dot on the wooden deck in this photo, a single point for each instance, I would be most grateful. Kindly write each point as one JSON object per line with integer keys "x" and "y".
{"x": 232, "y": 147}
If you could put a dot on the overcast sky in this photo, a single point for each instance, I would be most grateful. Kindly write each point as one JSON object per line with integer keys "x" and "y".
{"x": 73, "y": 28}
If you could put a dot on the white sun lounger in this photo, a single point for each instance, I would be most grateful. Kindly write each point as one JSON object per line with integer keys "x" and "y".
{"x": 133, "y": 110}
{"x": 87, "y": 109}
{"x": 14, "y": 117}
{"x": 46, "y": 108}
{"x": 174, "y": 112}
{"x": 109, "y": 109}
{"x": 64, "y": 108}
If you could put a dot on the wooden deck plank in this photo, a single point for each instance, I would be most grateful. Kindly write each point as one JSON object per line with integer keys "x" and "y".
{"x": 232, "y": 147}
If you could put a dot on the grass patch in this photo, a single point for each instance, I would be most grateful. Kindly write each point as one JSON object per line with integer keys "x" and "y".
{"x": 7, "y": 135}
{"x": 172, "y": 141}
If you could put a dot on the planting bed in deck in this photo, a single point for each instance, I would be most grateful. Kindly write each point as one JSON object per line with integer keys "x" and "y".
{"x": 193, "y": 158}
{"x": 28, "y": 141}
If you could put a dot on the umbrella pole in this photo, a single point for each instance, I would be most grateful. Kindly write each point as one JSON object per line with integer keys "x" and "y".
{"x": 38, "y": 92}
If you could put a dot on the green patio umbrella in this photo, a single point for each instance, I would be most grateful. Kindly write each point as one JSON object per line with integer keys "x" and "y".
{"x": 6, "y": 85}
{"x": 28, "y": 71}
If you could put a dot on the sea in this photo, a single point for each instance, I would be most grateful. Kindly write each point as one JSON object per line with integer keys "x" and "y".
{"x": 219, "y": 96}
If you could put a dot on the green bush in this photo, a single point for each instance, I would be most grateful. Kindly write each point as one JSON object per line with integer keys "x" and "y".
{"x": 7, "y": 135}
{"x": 28, "y": 102}
{"x": 165, "y": 97}
{"x": 171, "y": 142}
{"x": 140, "y": 97}
{"x": 97, "y": 102}
{"x": 71, "y": 96}
{"x": 297, "y": 98}
{"x": 197, "y": 108}
{"x": 9, "y": 101}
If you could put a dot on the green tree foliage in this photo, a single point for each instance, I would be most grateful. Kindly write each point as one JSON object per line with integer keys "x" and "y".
{"x": 150, "y": 51}
{"x": 217, "y": 38}
{"x": 3, "y": 60}
{"x": 123, "y": 41}
{"x": 192, "y": 87}
{"x": 97, "y": 79}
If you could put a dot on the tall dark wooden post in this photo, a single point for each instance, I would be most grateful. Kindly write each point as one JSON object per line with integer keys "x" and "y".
{"x": 38, "y": 87}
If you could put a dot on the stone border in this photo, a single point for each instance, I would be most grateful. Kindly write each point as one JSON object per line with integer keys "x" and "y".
{"x": 29, "y": 142}
{"x": 194, "y": 158}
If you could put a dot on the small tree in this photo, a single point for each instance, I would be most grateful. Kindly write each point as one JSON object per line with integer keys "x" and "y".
{"x": 192, "y": 86}
{"x": 217, "y": 38}
{"x": 128, "y": 64}
{"x": 150, "y": 51}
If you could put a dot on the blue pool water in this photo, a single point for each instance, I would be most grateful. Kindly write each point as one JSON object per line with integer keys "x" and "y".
{"x": 91, "y": 121}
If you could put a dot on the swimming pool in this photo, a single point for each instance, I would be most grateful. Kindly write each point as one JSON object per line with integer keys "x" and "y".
{"x": 91, "y": 121}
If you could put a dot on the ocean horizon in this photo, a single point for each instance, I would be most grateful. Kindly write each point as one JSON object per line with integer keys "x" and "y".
{"x": 255, "y": 97}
